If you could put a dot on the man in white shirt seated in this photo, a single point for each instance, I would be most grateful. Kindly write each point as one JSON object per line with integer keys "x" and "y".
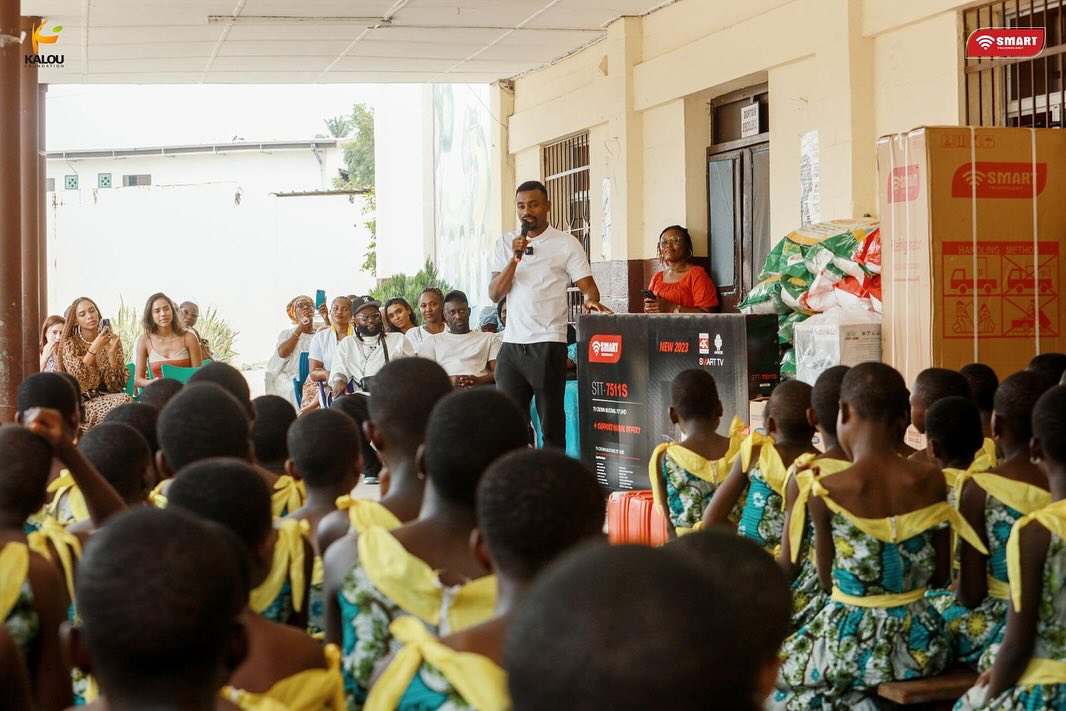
{"x": 360, "y": 356}
{"x": 468, "y": 357}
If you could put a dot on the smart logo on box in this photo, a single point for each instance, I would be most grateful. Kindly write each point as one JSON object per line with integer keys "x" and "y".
{"x": 605, "y": 349}
{"x": 903, "y": 185}
{"x": 1001, "y": 42}
{"x": 985, "y": 179}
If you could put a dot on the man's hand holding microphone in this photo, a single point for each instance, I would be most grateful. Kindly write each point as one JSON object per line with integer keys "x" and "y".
{"x": 521, "y": 242}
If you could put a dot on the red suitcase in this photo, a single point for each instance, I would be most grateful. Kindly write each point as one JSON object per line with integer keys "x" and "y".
{"x": 633, "y": 517}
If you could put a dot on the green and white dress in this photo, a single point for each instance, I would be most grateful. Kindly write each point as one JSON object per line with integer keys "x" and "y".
{"x": 1043, "y": 684}
{"x": 878, "y": 625}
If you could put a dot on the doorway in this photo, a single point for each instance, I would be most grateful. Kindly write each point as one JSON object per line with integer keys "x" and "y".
{"x": 738, "y": 196}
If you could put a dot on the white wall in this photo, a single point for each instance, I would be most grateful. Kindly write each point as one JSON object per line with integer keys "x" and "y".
{"x": 188, "y": 236}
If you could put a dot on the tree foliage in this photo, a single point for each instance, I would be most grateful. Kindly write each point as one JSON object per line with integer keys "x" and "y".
{"x": 358, "y": 173}
{"x": 410, "y": 287}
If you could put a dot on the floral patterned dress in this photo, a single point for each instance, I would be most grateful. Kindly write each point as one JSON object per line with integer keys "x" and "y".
{"x": 1049, "y": 649}
{"x": 389, "y": 583}
{"x": 762, "y": 518}
{"x": 689, "y": 479}
{"x": 976, "y": 634}
{"x": 878, "y": 625}
{"x": 102, "y": 382}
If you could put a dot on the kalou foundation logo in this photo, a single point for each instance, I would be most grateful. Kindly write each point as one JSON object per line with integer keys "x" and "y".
{"x": 44, "y": 36}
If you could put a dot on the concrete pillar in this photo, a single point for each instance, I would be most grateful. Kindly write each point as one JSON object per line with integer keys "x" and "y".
{"x": 32, "y": 194}
{"x": 10, "y": 210}
{"x": 501, "y": 106}
{"x": 625, "y": 128}
{"x": 42, "y": 209}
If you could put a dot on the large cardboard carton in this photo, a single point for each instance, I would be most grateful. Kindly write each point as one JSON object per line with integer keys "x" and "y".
{"x": 973, "y": 222}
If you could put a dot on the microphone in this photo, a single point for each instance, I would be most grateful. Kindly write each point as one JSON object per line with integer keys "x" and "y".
{"x": 525, "y": 231}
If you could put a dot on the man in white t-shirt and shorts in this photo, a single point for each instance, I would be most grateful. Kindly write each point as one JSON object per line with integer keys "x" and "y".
{"x": 533, "y": 268}
{"x": 468, "y": 357}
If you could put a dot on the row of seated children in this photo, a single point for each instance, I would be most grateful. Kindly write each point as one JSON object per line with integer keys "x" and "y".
{"x": 899, "y": 560}
{"x": 165, "y": 613}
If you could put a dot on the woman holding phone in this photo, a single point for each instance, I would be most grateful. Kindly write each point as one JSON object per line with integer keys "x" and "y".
{"x": 90, "y": 351}
{"x": 164, "y": 341}
{"x": 322, "y": 348}
{"x": 681, "y": 287}
{"x": 284, "y": 363}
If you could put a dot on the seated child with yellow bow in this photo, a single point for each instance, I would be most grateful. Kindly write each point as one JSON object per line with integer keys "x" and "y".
{"x": 880, "y": 543}
{"x": 273, "y": 417}
{"x": 757, "y": 480}
{"x": 533, "y": 506}
{"x": 1029, "y": 671}
{"x": 684, "y": 475}
{"x": 992, "y": 501}
{"x": 808, "y": 596}
{"x": 161, "y": 594}
{"x": 394, "y": 421}
{"x": 323, "y": 457}
{"x": 425, "y": 568}
{"x": 283, "y": 664}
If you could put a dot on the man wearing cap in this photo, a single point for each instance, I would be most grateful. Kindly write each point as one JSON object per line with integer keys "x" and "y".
{"x": 359, "y": 358}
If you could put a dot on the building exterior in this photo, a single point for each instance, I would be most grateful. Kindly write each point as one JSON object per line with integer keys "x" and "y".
{"x": 744, "y": 120}
{"x": 240, "y": 227}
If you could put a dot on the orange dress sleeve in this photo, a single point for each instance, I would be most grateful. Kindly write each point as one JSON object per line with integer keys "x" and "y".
{"x": 702, "y": 289}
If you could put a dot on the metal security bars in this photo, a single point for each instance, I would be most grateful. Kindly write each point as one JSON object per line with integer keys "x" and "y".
{"x": 566, "y": 175}
{"x": 1018, "y": 92}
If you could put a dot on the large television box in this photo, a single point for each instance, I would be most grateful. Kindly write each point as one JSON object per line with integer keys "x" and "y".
{"x": 973, "y": 222}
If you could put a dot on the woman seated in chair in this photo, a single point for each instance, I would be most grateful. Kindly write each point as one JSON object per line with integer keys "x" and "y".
{"x": 91, "y": 352}
{"x": 284, "y": 364}
{"x": 164, "y": 341}
{"x": 323, "y": 347}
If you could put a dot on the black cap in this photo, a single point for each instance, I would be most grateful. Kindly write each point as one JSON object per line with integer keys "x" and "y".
{"x": 361, "y": 302}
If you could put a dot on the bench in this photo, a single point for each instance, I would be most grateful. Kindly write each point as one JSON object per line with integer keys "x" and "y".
{"x": 933, "y": 692}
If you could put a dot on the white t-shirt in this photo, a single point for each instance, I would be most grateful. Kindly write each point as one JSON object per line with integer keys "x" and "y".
{"x": 417, "y": 336}
{"x": 357, "y": 358}
{"x": 323, "y": 347}
{"x": 461, "y": 353}
{"x": 536, "y": 303}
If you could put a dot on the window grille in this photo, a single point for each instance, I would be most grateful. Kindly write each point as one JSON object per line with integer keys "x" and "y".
{"x": 566, "y": 175}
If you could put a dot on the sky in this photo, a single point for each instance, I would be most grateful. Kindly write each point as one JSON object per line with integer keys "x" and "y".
{"x": 86, "y": 116}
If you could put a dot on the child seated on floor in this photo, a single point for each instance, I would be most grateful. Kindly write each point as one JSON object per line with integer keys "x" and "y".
{"x": 55, "y": 391}
{"x": 285, "y": 492}
{"x": 533, "y": 506}
{"x": 424, "y": 568}
{"x": 930, "y": 385}
{"x": 161, "y": 594}
{"x": 1029, "y": 672}
{"x": 123, "y": 458}
{"x": 808, "y": 596}
{"x": 992, "y": 502}
{"x": 324, "y": 457}
{"x": 273, "y": 417}
{"x": 761, "y": 469}
{"x": 144, "y": 419}
{"x": 405, "y": 392}
{"x": 283, "y": 663}
{"x": 205, "y": 421}
{"x": 34, "y": 597}
{"x": 631, "y": 628}
{"x": 684, "y": 475}
{"x": 983, "y": 383}
{"x": 880, "y": 544}
{"x": 159, "y": 392}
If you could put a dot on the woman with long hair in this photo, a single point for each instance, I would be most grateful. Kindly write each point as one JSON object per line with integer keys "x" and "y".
{"x": 431, "y": 304}
{"x": 90, "y": 351}
{"x": 399, "y": 316}
{"x": 51, "y": 330}
{"x": 681, "y": 286}
{"x": 323, "y": 347}
{"x": 165, "y": 340}
{"x": 284, "y": 363}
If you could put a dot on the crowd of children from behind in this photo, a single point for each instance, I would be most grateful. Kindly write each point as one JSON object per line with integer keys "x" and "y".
{"x": 201, "y": 550}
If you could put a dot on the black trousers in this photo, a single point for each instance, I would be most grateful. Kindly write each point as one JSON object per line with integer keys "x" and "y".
{"x": 527, "y": 369}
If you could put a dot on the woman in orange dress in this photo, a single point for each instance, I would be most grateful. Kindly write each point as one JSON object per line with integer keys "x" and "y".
{"x": 681, "y": 287}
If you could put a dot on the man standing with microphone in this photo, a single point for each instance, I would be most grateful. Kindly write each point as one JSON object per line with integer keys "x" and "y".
{"x": 533, "y": 268}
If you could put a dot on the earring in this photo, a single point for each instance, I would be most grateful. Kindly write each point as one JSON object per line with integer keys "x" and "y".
{"x": 1034, "y": 460}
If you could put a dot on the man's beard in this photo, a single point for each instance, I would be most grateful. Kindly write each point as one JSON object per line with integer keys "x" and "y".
{"x": 365, "y": 331}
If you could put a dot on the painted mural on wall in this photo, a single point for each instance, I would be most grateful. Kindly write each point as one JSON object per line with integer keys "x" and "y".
{"x": 463, "y": 187}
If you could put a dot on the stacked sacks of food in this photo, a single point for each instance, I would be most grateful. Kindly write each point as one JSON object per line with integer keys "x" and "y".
{"x": 816, "y": 268}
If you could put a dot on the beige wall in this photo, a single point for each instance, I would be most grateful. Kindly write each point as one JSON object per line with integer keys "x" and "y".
{"x": 850, "y": 69}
